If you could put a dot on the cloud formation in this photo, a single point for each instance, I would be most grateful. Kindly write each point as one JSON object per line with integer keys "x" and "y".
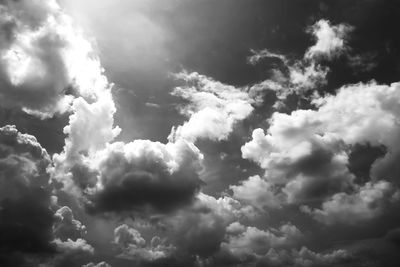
{"x": 25, "y": 215}
{"x": 46, "y": 61}
{"x": 331, "y": 39}
{"x": 305, "y": 154}
{"x": 213, "y": 108}
{"x": 104, "y": 200}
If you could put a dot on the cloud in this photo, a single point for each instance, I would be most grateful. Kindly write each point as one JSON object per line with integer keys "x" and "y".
{"x": 146, "y": 175}
{"x": 366, "y": 203}
{"x": 66, "y": 226}
{"x": 306, "y": 153}
{"x": 263, "y": 54}
{"x": 200, "y": 229}
{"x": 299, "y": 164}
{"x": 305, "y": 258}
{"x": 303, "y": 77}
{"x": 331, "y": 39}
{"x": 213, "y": 109}
{"x": 100, "y": 264}
{"x": 46, "y": 61}
{"x": 126, "y": 236}
{"x": 30, "y": 230}
{"x": 258, "y": 242}
{"x": 74, "y": 247}
{"x": 133, "y": 246}
{"x": 25, "y": 216}
{"x": 257, "y": 192}
{"x": 48, "y": 67}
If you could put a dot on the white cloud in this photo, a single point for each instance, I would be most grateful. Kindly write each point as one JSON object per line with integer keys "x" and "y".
{"x": 254, "y": 241}
{"x": 304, "y": 76}
{"x": 43, "y": 56}
{"x": 66, "y": 226}
{"x": 257, "y": 56}
{"x": 307, "y": 151}
{"x": 257, "y": 192}
{"x": 366, "y": 203}
{"x": 100, "y": 264}
{"x": 126, "y": 236}
{"x": 213, "y": 108}
{"x": 331, "y": 39}
{"x": 79, "y": 246}
{"x": 134, "y": 246}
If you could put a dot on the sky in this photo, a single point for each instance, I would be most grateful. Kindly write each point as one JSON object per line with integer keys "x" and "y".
{"x": 204, "y": 133}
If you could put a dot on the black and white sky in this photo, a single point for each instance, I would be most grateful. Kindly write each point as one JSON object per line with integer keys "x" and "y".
{"x": 199, "y": 133}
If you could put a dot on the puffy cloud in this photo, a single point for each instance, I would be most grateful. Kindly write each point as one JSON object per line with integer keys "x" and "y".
{"x": 48, "y": 66}
{"x": 44, "y": 59}
{"x": 248, "y": 245}
{"x": 366, "y": 203}
{"x": 23, "y": 162}
{"x": 331, "y": 39}
{"x": 28, "y": 224}
{"x": 25, "y": 215}
{"x": 213, "y": 108}
{"x": 257, "y": 192}
{"x": 307, "y": 152}
{"x": 298, "y": 77}
{"x": 145, "y": 175}
{"x": 200, "y": 229}
{"x": 304, "y": 76}
{"x": 258, "y": 242}
{"x": 65, "y": 225}
{"x": 133, "y": 245}
{"x": 299, "y": 165}
{"x": 126, "y": 236}
{"x": 73, "y": 247}
{"x": 90, "y": 126}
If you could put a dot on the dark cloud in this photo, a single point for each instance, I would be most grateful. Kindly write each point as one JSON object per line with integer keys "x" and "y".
{"x": 26, "y": 219}
{"x": 147, "y": 176}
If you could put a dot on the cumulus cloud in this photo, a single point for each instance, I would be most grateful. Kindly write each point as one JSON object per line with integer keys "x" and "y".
{"x": 134, "y": 246}
{"x": 213, "y": 108}
{"x": 28, "y": 223}
{"x": 331, "y": 39}
{"x": 66, "y": 226}
{"x": 200, "y": 229}
{"x": 146, "y": 175}
{"x": 48, "y": 67}
{"x": 45, "y": 59}
{"x": 25, "y": 215}
{"x": 73, "y": 247}
{"x": 304, "y": 76}
{"x": 366, "y": 203}
{"x": 257, "y": 192}
{"x": 306, "y": 152}
{"x": 299, "y": 165}
{"x": 254, "y": 241}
